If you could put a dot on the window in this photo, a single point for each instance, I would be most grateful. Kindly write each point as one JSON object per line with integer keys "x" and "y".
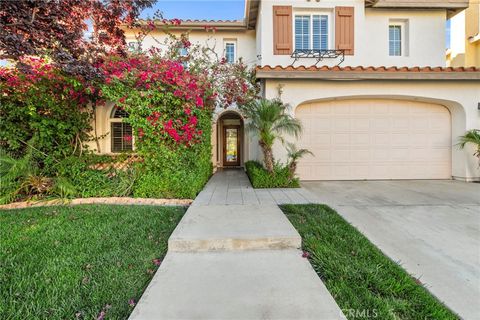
{"x": 121, "y": 132}
{"x": 398, "y": 30}
{"x": 182, "y": 51}
{"x": 230, "y": 52}
{"x": 134, "y": 46}
{"x": 395, "y": 40}
{"x": 311, "y": 32}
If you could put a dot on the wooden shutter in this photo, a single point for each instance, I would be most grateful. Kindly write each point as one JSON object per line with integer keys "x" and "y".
{"x": 344, "y": 29}
{"x": 282, "y": 30}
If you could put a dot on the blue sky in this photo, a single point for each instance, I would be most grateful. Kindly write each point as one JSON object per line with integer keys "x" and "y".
{"x": 198, "y": 9}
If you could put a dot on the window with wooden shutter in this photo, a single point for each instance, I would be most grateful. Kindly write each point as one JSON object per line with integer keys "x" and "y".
{"x": 282, "y": 30}
{"x": 121, "y": 133}
{"x": 344, "y": 29}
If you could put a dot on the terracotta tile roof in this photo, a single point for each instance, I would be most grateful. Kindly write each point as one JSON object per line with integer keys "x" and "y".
{"x": 201, "y": 24}
{"x": 370, "y": 72}
{"x": 186, "y": 21}
{"x": 369, "y": 69}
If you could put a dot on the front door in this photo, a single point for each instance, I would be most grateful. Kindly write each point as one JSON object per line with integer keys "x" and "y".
{"x": 231, "y": 145}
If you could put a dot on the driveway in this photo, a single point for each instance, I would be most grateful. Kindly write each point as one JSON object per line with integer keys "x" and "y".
{"x": 432, "y": 228}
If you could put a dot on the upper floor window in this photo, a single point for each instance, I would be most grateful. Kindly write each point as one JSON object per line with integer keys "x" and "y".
{"x": 134, "y": 46}
{"x": 121, "y": 133}
{"x": 397, "y": 38}
{"x": 230, "y": 52}
{"x": 311, "y": 32}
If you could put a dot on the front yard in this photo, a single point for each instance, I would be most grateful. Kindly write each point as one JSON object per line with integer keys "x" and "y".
{"x": 364, "y": 282}
{"x": 81, "y": 262}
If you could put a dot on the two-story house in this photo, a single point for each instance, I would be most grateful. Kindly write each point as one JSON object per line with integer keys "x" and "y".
{"x": 366, "y": 78}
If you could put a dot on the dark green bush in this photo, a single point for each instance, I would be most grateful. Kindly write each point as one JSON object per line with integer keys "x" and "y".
{"x": 90, "y": 182}
{"x": 261, "y": 178}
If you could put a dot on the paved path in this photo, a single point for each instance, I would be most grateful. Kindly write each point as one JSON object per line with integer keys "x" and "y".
{"x": 231, "y": 186}
{"x": 432, "y": 227}
{"x": 234, "y": 255}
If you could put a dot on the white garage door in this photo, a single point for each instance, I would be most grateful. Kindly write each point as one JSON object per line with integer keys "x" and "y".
{"x": 375, "y": 139}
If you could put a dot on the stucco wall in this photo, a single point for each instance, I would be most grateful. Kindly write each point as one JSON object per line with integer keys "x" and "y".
{"x": 426, "y": 35}
{"x": 246, "y": 41}
{"x": 459, "y": 97}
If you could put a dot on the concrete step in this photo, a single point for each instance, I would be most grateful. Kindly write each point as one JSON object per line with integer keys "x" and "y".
{"x": 258, "y": 284}
{"x": 234, "y": 227}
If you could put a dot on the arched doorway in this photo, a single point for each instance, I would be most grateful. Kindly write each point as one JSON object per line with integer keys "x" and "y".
{"x": 230, "y": 140}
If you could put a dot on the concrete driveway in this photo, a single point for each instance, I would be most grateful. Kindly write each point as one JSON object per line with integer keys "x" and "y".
{"x": 432, "y": 228}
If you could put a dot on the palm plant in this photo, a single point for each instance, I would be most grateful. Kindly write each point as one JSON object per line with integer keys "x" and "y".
{"x": 295, "y": 154}
{"x": 269, "y": 119}
{"x": 473, "y": 137}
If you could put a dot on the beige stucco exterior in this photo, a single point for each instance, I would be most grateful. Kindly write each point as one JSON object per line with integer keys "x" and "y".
{"x": 465, "y": 37}
{"x": 451, "y": 94}
{"x": 425, "y": 34}
{"x": 460, "y": 98}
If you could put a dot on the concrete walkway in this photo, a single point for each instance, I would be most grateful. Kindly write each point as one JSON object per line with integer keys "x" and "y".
{"x": 234, "y": 255}
{"x": 231, "y": 186}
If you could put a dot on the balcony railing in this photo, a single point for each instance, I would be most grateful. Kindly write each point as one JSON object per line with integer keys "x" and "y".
{"x": 318, "y": 54}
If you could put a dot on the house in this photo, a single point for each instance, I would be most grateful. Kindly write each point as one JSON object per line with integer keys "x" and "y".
{"x": 465, "y": 34}
{"x": 366, "y": 78}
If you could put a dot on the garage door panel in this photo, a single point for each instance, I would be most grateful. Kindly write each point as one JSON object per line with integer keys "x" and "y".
{"x": 375, "y": 139}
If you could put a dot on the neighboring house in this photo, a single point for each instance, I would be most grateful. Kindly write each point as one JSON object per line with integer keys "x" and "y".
{"x": 465, "y": 37}
{"x": 366, "y": 78}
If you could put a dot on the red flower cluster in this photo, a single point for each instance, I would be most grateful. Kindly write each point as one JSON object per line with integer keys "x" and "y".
{"x": 149, "y": 76}
{"x": 42, "y": 77}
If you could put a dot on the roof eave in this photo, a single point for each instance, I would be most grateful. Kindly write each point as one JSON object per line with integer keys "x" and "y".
{"x": 353, "y": 75}
{"x": 201, "y": 25}
{"x": 452, "y": 6}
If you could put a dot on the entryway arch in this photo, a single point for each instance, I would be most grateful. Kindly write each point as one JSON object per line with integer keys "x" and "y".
{"x": 228, "y": 139}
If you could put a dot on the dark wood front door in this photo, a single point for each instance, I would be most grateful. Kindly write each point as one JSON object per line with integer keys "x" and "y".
{"x": 231, "y": 145}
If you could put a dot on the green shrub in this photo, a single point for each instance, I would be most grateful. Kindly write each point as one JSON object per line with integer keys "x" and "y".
{"x": 174, "y": 173}
{"x": 90, "y": 182}
{"x": 261, "y": 178}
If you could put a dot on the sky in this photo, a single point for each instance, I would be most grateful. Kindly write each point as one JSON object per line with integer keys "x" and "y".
{"x": 198, "y": 9}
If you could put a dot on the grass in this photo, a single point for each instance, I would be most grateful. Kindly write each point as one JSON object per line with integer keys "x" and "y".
{"x": 77, "y": 262}
{"x": 364, "y": 282}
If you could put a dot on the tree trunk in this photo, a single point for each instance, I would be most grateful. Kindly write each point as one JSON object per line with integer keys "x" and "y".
{"x": 292, "y": 167}
{"x": 267, "y": 156}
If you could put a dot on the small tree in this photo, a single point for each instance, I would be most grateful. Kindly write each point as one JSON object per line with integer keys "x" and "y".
{"x": 295, "y": 154}
{"x": 473, "y": 137}
{"x": 269, "y": 119}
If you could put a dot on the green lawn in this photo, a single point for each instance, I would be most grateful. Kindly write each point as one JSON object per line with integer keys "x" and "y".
{"x": 364, "y": 282}
{"x": 75, "y": 262}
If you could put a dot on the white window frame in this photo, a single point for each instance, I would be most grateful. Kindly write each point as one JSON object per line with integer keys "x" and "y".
{"x": 230, "y": 42}
{"x": 403, "y": 24}
{"x": 330, "y": 35}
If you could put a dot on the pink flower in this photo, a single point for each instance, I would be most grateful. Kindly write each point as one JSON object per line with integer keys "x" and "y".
{"x": 199, "y": 102}
{"x": 101, "y": 315}
{"x": 132, "y": 302}
{"x": 157, "y": 262}
{"x": 127, "y": 138}
{"x": 305, "y": 254}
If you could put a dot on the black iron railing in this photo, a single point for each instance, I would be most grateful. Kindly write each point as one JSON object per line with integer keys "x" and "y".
{"x": 318, "y": 54}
